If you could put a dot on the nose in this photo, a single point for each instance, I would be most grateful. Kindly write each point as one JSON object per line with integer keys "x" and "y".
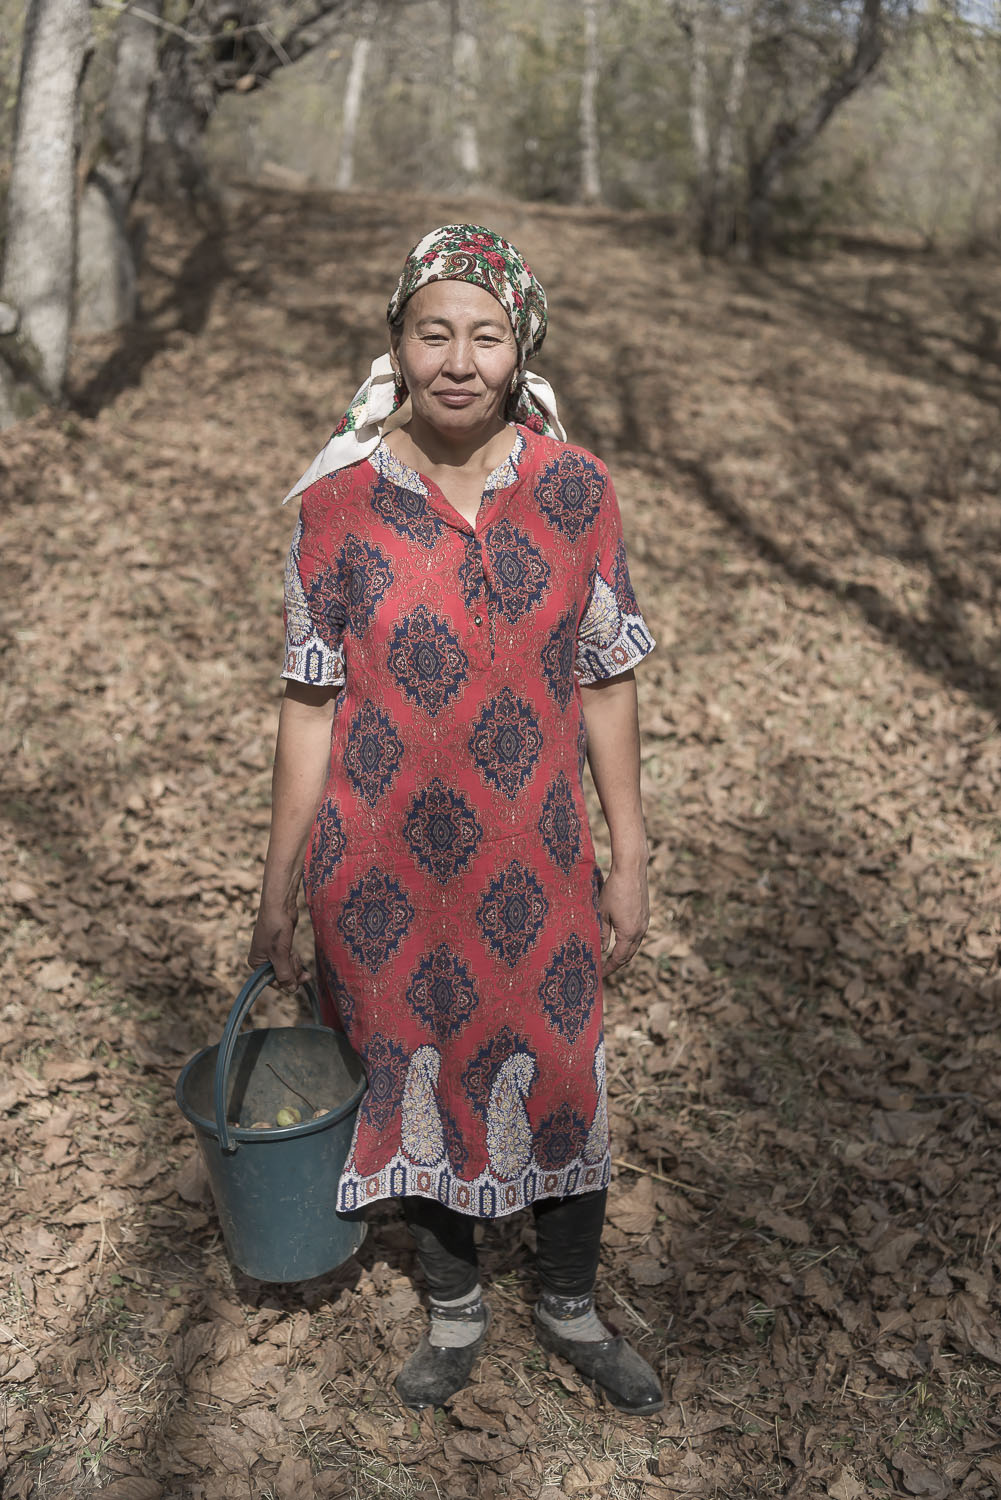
{"x": 458, "y": 361}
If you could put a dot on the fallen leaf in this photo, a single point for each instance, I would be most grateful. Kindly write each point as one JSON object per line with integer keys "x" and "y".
{"x": 132, "y": 1487}
{"x": 894, "y": 1249}
{"x": 919, "y": 1478}
{"x": 674, "y": 1424}
{"x": 899, "y": 1362}
{"x": 635, "y": 1211}
{"x": 56, "y": 975}
{"x": 646, "y": 1270}
{"x": 192, "y": 1181}
{"x": 477, "y": 1447}
{"x": 977, "y": 1329}
{"x": 786, "y": 1226}
{"x": 846, "y": 1487}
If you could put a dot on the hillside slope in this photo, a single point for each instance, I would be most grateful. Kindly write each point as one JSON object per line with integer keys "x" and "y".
{"x": 804, "y": 1059}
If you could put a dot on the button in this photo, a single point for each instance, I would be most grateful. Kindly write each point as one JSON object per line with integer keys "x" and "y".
{"x": 477, "y": 619}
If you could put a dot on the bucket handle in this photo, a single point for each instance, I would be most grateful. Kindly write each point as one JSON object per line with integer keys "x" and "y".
{"x": 248, "y": 996}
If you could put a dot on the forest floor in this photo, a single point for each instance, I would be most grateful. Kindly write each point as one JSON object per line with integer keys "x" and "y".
{"x": 805, "y": 1059}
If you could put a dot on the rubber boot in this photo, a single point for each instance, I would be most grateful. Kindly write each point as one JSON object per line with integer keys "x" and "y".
{"x": 611, "y": 1366}
{"x": 432, "y": 1375}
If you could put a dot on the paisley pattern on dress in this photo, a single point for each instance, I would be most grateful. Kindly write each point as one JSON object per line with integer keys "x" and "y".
{"x": 298, "y": 620}
{"x": 386, "y": 1066}
{"x": 560, "y": 825}
{"x": 520, "y": 572}
{"x": 406, "y": 511}
{"x": 561, "y": 1137}
{"x": 375, "y": 918}
{"x": 483, "y": 1067}
{"x": 557, "y": 659}
{"x": 511, "y": 913}
{"x": 509, "y": 1130}
{"x": 451, "y": 878}
{"x": 421, "y": 1135}
{"x": 442, "y": 993}
{"x": 373, "y": 753}
{"x": 569, "y": 988}
{"x": 602, "y": 622}
{"x": 442, "y": 830}
{"x": 322, "y": 598}
{"x": 505, "y": 743}
{"x": 596, "y": 1145}
{"x": 427, "y": 661}
{"x": 365, "y": 578}
{"x": 328, "y": 843}
{"x": 569, "y": 493}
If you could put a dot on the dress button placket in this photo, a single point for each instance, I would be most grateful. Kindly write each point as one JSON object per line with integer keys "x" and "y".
{"x": 481, "y": 617}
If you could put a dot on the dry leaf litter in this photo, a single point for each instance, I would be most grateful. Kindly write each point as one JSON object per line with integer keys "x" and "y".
{"x": 805, "y": 1061}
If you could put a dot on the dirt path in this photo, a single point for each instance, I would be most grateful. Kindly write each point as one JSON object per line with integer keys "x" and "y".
{"x": 805, "y": 1060}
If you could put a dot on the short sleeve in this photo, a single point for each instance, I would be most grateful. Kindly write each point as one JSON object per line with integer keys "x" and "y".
{"x": 612, "y": 635}
{"x": 314, "y": 611}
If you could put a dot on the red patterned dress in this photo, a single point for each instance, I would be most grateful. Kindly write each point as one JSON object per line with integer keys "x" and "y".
{"x": 450, "y": 873}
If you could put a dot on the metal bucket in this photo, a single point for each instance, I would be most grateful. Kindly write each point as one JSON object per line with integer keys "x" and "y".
{"x": 275, "y": 1189}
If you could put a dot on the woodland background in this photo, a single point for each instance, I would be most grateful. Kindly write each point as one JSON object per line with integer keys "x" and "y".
{"x": 801, "y": 411}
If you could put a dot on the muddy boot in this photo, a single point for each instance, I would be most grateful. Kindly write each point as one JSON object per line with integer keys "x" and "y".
{"x": 610, "y": 1364}
{"x": 443, "y": 1360}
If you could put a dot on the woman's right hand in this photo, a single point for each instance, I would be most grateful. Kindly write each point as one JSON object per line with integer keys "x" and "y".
{"x": 302, "y": 757}
{"x": 272, "y": 943}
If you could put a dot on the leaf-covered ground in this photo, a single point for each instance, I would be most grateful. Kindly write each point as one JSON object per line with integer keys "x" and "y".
{"x": 805, "y": 1059}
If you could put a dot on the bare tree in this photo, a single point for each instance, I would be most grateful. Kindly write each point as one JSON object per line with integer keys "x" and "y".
{"x": 353, "y": 94}
{"x": 39, "y": 253}
{"x": 790, "y": 137}
{"x": 590, "y": 173}
{"x": 465, "y": 67}
{"x": 725, "y": 32}
{"x": 694, "y": 18}
{"x": 718, "y": 225}
{"x": 106, "y": 268}
{"x": 222, "y": 45}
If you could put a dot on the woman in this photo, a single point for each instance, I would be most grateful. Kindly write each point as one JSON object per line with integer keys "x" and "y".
{"x": 461, "y": 630}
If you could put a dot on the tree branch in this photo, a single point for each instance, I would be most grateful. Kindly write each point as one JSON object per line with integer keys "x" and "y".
{"x": 789, "y": 140}
{"x": 300, "y": 38}
{"x": 278, "y": 52}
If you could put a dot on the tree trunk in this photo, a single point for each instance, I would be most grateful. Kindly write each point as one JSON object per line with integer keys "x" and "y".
{"x": 41, "y": 203}
{"x": 694, "y": 22}
{"x": 465, "y": 65}
{"x": 790, "y": 139}
{"x": 719, "y": 228}
{"x": 590, "y": 174}
{"x": 353, "y": 96}
{"x": 180, "y": 106}
{"x": 106, "y": 266}
{"x": 190, "y": 79}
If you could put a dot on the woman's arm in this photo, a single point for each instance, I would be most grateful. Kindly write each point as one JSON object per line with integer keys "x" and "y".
{"x": 302, "y": 757}
{"x": 613, "y": 753}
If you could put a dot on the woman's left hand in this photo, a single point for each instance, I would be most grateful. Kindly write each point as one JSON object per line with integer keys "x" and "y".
{"x": 624, "y": 911}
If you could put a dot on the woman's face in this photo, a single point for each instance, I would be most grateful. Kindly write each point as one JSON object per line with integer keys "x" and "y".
{"x": 458, "y": 355}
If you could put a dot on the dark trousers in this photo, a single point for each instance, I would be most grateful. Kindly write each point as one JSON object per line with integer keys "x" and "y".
{"x": 567, "y": 1235}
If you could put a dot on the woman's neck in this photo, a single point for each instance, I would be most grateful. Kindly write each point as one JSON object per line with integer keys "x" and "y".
{"x": 423, "y": 447}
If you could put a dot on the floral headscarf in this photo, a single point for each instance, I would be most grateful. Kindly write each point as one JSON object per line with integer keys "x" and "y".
{"x": 455, "y": 252}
